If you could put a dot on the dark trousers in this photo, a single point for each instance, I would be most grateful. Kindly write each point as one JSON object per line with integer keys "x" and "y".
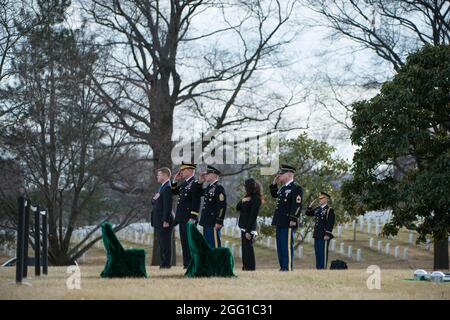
{"x": 285, "y": 248}
{"x": 184, "y": 244}
{"x": 321, "y": 250}
{"x": 248, "y": 254}
{"x": 165, "y": 246}
{"x": 212, "y": 236}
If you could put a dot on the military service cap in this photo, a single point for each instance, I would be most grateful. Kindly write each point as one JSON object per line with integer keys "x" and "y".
{"x": 211, "y": 169}
{"x": 286, "y": 168}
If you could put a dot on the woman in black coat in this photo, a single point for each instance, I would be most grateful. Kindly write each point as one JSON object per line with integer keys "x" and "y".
{"x": 249, "y": 208}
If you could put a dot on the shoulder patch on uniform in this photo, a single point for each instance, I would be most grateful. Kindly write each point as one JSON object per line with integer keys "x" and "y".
{"x": 298, "y": 199}
{"x": 221, "y": 197}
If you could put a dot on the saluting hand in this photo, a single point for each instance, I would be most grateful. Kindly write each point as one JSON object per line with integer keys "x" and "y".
{"x": 177, "y": 175}
{"x": 246, "y": 199}
{"x": 275, "y": 180}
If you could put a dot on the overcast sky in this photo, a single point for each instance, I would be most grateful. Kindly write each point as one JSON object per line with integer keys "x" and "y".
{"x": 310, "y": 57}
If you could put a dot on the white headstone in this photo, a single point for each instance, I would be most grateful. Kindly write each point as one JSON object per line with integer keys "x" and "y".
{"x": 361, "y": 225}
{"x": 377, "y": 229}
{"x": 341, "y": 249}
{"x": 387, "y": 249}
{"x": 410, "y": 238}
{"x": 300, "y": 252}
{"x": 346, "y": 226}
{"x": 333, "y": 245}
{"x": 269, "y": 242}
{"x": 339, "y": 233}
{"x": 349, "y": 251}
{"x": 371, "y": 243}
{"x": 227, "y": 244}
{"x": 396, "y": 249}
{"x": 379, "y": 246}
{"x": 358, "y": 255}
{"x": 353, "y": 224}
{"x": 309, "y": 237}
{"x": 369, "y": 227}
{"x": 405, "y": 253}
{"x": 232, "y": 232}
{"x": 233, "y": 249}
{"x": 427, "y": 245}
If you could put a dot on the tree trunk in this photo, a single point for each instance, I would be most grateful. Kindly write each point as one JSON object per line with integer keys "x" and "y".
{"x": 441, "y": 253}
{"x": 161, "y": 143}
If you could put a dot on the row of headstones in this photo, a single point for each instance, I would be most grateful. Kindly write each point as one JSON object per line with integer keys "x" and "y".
{"x": 378, "y": 231}
{"x": 348, "y": 253}
{"x": 387, "y": 249}
{"x": 8, "y": 251}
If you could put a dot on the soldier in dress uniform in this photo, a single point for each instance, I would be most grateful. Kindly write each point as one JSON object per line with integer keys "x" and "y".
{"x": 214, "y": 206}
{"x": 188, "y": 206}
{"x": 323, "y": 227}
{"x": 287, "y": 213}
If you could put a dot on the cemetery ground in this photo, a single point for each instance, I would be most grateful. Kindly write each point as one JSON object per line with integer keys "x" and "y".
{"x": 266, "y": 283}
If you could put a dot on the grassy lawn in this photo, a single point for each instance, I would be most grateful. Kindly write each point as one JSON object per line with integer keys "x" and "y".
{"x": 266, "y": 283}
{"x": 262, "y": 284}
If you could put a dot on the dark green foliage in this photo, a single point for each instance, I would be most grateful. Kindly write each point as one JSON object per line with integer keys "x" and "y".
{"x": 403, "y": 159}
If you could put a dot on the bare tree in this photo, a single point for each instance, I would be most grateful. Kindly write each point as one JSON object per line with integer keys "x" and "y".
{"x": 163, "y": 61}
{"x": 389, "y": 29}
{"x": 72, "y": 163}
{"x": 147, "y": 85}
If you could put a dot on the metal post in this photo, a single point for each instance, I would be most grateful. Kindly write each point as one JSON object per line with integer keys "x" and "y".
{"x": 26, "y": 239}
{"x": 37, "y": 243}
{"x": 44, "y": 243}
{"x": 20, "y": 240}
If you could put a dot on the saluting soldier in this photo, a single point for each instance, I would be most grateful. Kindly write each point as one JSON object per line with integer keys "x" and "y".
{"x": 287, "y": 213}
{"x": 189, "y": 193}
{"x": 323, "y": 228}
{"x": 214, "y": 206}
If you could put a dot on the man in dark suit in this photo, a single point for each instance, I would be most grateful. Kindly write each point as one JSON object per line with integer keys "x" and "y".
{"x": 162, "y": 218}
{"x": 188, "y": 206}
{"x": 323, "y": 227}
{"x": 214, "y": 206}
{"x": 287, "y": 213}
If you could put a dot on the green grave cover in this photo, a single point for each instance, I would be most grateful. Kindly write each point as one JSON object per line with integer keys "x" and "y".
{"x": 121, "y": 263}
{"x": 207, "y": 261}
